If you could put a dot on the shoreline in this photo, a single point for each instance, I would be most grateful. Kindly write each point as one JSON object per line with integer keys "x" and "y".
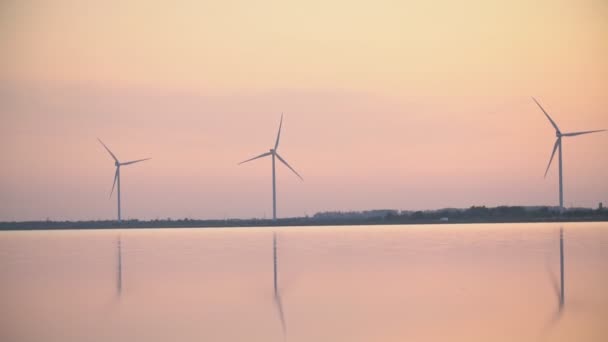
{"x": 289, "y": 222}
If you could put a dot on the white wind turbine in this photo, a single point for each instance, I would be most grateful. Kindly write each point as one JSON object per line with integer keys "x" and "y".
{"x": 117, "y": 174}
{"x": 273, "y": 152}
{"x": 558, "y": 144}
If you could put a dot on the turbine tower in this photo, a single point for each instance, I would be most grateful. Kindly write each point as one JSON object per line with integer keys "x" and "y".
{"x": 118, "y": 164}
{"x": 558, "y": 144}
{"x": 273, "y": 152}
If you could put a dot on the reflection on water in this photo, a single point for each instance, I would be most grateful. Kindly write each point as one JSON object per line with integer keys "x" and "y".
{"x": 558, "y": 288}
{"x": 561, "y": 268}
{"x": 277, "y": 294}
{"x": 421, "y": 283}
{"x": 119, "y": 282}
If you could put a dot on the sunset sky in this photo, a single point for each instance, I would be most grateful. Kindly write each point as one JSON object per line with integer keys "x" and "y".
{"x": 388, "y": 104}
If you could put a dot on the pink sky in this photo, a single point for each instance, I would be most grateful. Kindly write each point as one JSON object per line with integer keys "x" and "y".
{"x": 387, "y": 105}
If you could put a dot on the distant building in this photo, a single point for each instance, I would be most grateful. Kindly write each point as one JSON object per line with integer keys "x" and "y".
{"x": 444, "y": 219}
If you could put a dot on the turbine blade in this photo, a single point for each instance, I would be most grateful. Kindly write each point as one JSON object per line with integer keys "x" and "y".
{"x": 254, "y": 158}
{"x": 573, "y": 134}
{"x": 557, "y": 143}
{"x": 114, "y": 184}
{"x": 276, "y": 144}
{"x": 286, "y": 164}
{"x": 135, "y": 161}
{"x": 548, "y": 117}
{"x": 110, "y": 152}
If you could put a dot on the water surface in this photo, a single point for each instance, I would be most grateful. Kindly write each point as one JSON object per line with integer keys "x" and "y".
{"x": 498, "y": 282}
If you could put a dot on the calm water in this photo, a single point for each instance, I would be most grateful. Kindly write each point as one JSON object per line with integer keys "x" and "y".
{"x": 397, "y": 283}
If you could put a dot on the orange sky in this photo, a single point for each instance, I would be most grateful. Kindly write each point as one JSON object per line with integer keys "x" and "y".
{"x": 388, "y": 104}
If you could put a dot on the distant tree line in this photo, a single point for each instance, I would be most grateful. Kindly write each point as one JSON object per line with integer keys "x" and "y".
{"x": 474, "y": 214}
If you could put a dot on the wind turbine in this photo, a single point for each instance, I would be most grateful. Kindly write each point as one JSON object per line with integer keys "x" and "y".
{"x": 558, "y": 144}
{"x": 117, "y": 174}
{"x": 273, "y": 152}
